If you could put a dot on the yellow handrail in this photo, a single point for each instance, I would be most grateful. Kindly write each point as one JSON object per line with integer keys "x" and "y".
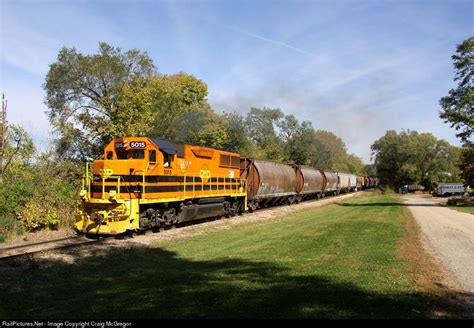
{"x": 220, "y": 180}
{"x": 144, "y": 173}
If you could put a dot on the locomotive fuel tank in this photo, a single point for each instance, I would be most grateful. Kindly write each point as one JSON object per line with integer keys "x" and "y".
{"x": 310, "y": 182}
{"x": 268, "y": 182}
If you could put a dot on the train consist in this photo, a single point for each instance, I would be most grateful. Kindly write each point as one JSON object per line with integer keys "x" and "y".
{"x": 146, "y": 183}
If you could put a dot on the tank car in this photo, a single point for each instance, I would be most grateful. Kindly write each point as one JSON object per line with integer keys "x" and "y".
{"x": 268, "y": 182}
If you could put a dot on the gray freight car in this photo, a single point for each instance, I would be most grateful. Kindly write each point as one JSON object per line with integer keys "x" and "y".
{"x": 347, "y": 182}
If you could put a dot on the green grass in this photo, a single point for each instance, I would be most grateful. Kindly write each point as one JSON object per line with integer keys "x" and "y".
{"x": 339, "y": 261}
{"x": 465, "y": 209}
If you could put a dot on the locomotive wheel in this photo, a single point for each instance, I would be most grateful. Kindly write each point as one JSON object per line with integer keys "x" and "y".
{"x": 169, "y": 217}
{"x": 227, "y": 209}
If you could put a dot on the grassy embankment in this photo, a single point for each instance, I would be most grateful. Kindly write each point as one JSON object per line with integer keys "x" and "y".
{"x": 338, "y": 261}
{"x": 465, "y": 209}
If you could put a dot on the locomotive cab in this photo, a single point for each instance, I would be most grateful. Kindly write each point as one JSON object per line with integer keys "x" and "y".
{"x": 127, "y": 157}
{"x": 128, "y": 163}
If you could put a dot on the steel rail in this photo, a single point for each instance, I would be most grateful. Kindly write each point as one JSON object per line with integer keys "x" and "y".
{"x": 43, "y": 246}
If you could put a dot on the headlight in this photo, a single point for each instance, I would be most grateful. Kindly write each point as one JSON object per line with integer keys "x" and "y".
{"x": 83, "y": 194}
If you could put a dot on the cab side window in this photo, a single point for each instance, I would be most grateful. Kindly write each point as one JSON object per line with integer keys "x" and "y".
{"x": 167, "y": 159}
{"x": 110, "y": 155}
{"x": 152, "y": 156}
{"x": 138, "y": 154}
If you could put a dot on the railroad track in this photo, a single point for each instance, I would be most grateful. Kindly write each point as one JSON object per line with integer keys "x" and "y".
{"x": 42, "y": 246}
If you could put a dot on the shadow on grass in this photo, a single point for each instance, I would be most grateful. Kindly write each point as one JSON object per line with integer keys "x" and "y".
{"x": 152, "y": 283}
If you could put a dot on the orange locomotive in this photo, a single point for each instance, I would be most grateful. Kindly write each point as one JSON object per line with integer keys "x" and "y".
{"x": 147, "y": 183}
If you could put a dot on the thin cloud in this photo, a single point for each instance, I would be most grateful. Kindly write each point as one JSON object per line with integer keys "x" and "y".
{"x": 262, "y": 38}
{"x": 26, "y": 48}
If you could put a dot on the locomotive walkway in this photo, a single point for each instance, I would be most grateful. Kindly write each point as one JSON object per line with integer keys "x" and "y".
{"x": 449, "y": 235}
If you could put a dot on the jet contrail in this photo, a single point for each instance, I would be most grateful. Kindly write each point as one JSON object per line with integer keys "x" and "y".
{"x": 283, "y": 44}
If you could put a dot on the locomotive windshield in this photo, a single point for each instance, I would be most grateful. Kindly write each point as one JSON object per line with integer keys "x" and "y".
{"x": 131, "y": 154}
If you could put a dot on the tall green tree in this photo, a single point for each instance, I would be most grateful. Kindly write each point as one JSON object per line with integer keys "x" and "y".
{"x": 299, "y": 144}
{"x": 467, "y": 165}
{"x": 203, "y": 127}
{"x": 354, "y": 164}
{"x": 458, "y": 106}
{"x": 238, "y": 139}
{"x": 173, "y": 96}
{"x": 338, "y": 157}
{"x": 18, "y": 152}
{"x": 170, "y": 107}
{"x": 415, "y": 158}
{"x": 335, "y": 146}
{"x": 262, "y": 129}
{"x": 321, "y": 156}
{"x": 82, "y": 94}
{"x": 370, "y": 170}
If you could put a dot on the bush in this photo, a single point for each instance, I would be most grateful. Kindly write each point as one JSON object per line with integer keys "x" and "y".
{"x": 40, "y": 212}
{"x": 50, "y": 209}
{"x": 39, "y": 196}
{"x": 14, "y": 193}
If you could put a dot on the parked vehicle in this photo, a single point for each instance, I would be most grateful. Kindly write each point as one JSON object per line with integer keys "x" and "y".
{"x": 450, "y": 189}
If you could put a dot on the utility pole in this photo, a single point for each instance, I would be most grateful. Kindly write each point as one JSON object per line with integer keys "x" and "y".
{"x": 3, "y": 132}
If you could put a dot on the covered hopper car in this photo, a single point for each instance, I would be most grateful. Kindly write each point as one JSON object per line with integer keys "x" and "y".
{"x": 332, "y": 184}
{"x": 310, "y": 182}
{"x": 347, "y": 182}
{"x": 268, "y": 182}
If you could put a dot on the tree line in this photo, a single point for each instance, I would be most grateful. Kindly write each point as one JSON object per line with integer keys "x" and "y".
{"x": 95, "y": 98}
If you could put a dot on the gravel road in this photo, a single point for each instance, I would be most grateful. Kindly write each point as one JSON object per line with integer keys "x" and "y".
{"x": 449, "y": 236}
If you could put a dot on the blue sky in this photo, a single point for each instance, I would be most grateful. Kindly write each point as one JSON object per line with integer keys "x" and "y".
{"x": 356, "y": 68}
